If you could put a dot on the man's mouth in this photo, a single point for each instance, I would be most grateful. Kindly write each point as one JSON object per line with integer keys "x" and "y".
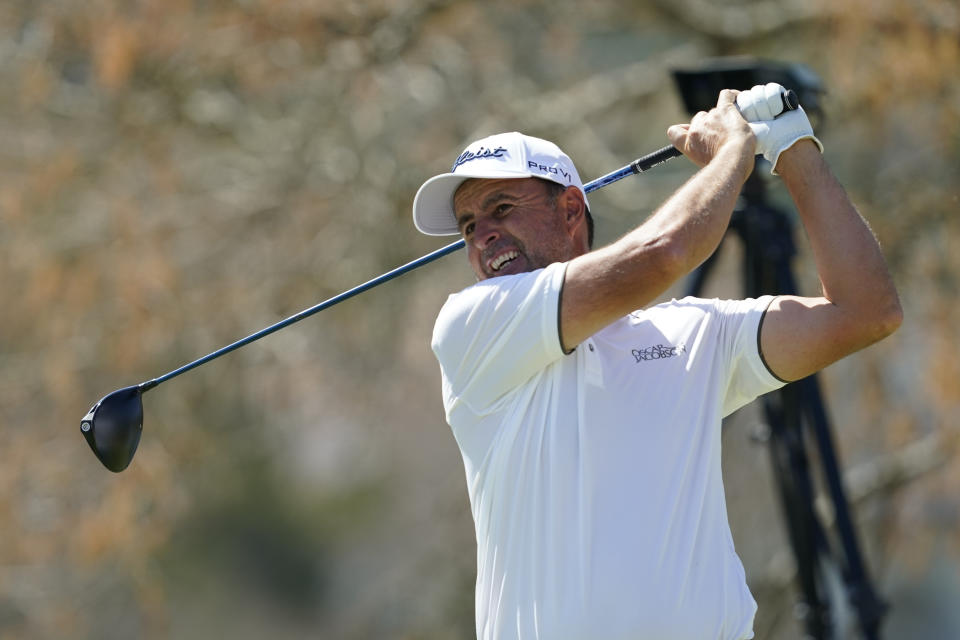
{"x": 504, "y": 258}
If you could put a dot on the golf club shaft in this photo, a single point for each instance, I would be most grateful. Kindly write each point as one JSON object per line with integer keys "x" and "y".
{"x": 637, "y": 166}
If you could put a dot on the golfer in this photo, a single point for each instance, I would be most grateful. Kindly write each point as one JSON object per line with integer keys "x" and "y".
{"x": 589, "y": 420}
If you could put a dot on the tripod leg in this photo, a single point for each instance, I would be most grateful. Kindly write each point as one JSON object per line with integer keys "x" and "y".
{"x": 791, "y": 470}
{"x": 861, "y": 594}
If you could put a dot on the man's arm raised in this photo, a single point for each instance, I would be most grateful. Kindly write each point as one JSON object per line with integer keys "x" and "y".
{"x": 608, "y": 283}
{"x": 859, "y": 303}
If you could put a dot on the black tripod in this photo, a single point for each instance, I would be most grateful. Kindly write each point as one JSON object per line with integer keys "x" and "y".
{"x": 767, "y": 237}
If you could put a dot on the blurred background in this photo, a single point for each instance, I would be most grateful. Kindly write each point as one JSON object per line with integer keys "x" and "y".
{"x": 176, "y": 174}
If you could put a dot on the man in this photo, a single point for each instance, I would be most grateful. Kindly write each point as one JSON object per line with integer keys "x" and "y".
{"x": 590, "y": 426}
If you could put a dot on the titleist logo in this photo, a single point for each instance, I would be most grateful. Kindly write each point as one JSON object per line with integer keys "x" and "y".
{"x": 479, "y": 154}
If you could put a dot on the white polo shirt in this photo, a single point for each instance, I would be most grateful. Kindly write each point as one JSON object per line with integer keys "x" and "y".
{"x": 594, "y": 478}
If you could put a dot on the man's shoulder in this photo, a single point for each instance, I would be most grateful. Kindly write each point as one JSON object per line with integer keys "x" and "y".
{"x": 489, "y": 305}
{"x": 511, "y": 289}
{"x": 474, "y": 297}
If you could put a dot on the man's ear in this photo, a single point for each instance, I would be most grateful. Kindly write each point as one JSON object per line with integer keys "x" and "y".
{"x": 574, "y": 210}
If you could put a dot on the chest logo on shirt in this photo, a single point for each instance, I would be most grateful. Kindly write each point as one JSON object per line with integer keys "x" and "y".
{"x": 658, "y": 352}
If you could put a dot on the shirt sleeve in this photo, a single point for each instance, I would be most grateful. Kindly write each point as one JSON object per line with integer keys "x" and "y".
{"x": 494, "y": 336}
{"x": 749, "y": 375}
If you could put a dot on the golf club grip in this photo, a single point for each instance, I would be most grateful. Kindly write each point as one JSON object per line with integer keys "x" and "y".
{"x": 653, "y": 159}
{"x": 790, "y": 100}
{"x": 639, "y": 165}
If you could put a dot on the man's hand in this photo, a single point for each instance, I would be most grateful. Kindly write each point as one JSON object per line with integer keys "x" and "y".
{"x": 763, "y": 102}
{"x": 711, "y": 131}
{"x": 775, "y": 133}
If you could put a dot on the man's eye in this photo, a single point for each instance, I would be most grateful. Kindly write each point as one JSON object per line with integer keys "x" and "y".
{"x": 503, "y": 208}
{"x": 468, "y": 228}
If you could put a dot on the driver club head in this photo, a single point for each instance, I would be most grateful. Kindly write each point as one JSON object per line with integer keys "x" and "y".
{"x": 113, "y": 426}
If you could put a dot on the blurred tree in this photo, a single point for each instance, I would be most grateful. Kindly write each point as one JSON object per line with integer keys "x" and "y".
{"x": 176, "y": 174}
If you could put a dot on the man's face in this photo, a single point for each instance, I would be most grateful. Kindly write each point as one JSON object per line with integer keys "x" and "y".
{"x": 511, "y": 226}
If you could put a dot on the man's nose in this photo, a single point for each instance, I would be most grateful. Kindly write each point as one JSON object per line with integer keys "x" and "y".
{"x": 485, "y": 233}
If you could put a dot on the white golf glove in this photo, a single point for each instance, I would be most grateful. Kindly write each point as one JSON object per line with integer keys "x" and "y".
{"x": 776, "y": 130}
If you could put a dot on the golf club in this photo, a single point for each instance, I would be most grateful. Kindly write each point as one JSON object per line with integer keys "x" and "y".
{"x": 113, "y": 425}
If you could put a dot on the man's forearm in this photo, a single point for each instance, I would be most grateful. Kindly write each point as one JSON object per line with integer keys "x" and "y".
{"x": 603, "y": 285}
{"x": 851, "y": 267}
{"x": 694, "y": 220}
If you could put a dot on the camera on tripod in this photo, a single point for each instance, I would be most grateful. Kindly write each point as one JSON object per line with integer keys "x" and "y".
{"x": 699, "y": 86}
